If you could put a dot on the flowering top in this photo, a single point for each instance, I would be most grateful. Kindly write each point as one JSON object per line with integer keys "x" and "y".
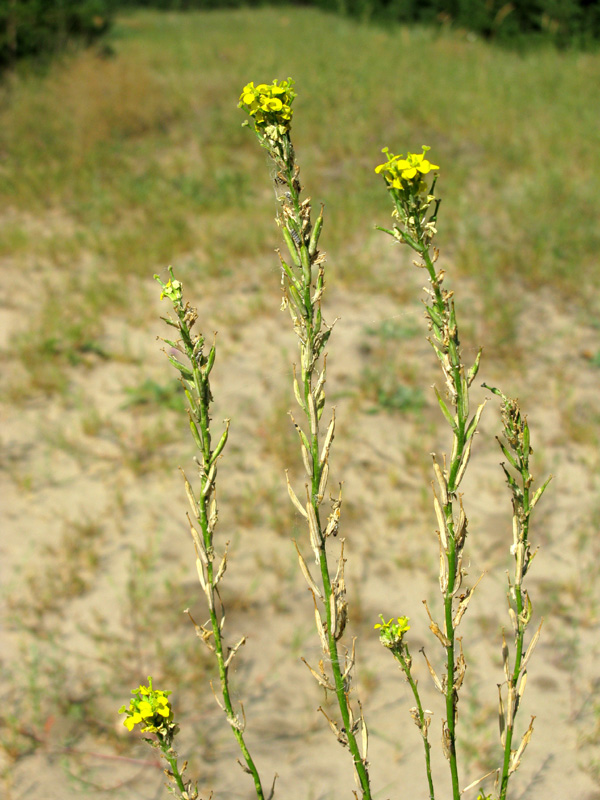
{"x": 149, "y": 707}
{"x": 404, "y": 168}
{"x": 269, "y": 104}
{"x": 391, "y": 633}
{"x": 171, "y": 289}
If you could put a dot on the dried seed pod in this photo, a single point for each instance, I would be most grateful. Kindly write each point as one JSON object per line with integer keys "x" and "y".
{"x": 435, "y": 629}
{"x": 441, "y": 519}
{"x": 532, "y": 645}
{"x": 222, "y": 568}
{"x": 463, "y": 464}
{"x": 294, "y": 498}
{"x": 446, "y": 740}
{"x": 306, "y": 572}
{"x": 198, "y": 544}
{"x": 328, "y": 439}
{"x": 322, "y": 678}
{"x": 323, "y": 483}
{"x": 333, "y": 520}
{"x": 432, "y": 672}
{"x": 460, "y": 666}
{"x": 233, "y": 651}
{"x": 441, "y": 481}
{"x": 464, "y": 601}
{"x": 190, "y": 496}
{"x": 505, "y": 658}
{"x": 321, "y": 629}
{"x": 312, "y": 412}
{"x": 313, "y": 526}
{"x": 516, "y": 758}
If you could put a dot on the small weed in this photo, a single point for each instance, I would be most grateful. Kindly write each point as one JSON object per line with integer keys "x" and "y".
{"x": 150, "y": 394}
{"x": 382, "y": 388}
{"x": 394, "y": 330}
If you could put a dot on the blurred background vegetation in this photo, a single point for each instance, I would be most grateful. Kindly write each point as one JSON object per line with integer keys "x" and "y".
{"x": 39, "y": 27}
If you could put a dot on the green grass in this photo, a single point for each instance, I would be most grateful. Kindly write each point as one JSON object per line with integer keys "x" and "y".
{"x": 148, "y": 168}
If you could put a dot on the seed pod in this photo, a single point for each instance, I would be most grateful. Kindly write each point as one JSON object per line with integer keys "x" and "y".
{"x": 475, "y": 368}
{"x": 475, "y": 421}
{"x": 313, "y": 527}
{"x": 190, "y": 496}
{"x": 294, "y": 498}
{"x": 290, "y": 240}
{"x": 463, "y": 464}
{"x": 441, "y": 521}
{"x": 195, "y": 434}
{"x": 221, "y": 570}
{"x": 222, "y": 442}
{"x": 306, "y": 572}
{"x": 505, "y": 658}
{"x": 501, "y": 717}
{"x": 532, "y": 645}
{"x": 445, "y": 410}
{"x": 321, "y": 630}
{"x": 312, "y": 412}
{"x": 316, "y": 232}
{"x": 436, "y": 680}
{"x": 211, "y": 359}
{"x": 296, "y": 385}
{"x": 441, "y": 481}
{"x": 199, "y": 545}
{"x": 323, "y": 483}
{"x": 208, "y": 479}
{"x": 516, "y": 759}
{"x": 328, "y": 439}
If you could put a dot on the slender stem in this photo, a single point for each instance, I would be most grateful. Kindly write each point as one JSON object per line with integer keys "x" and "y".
{"x": 459, "y": 428}
{"x": 312, "y": 328}
{"x": 294, "y": 218}
{"x": 523, "y": 521}
{"x": 199, "y": 399}
{"x": 172, "y": 759}
{"x": 405, "y": 661}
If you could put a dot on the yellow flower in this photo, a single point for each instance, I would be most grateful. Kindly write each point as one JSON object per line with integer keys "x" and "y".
{"x": 269, "y": 104}
{"x": 148, "y": 706}
{"x": 391, "y": 633}
{"x": 404, "y": 168}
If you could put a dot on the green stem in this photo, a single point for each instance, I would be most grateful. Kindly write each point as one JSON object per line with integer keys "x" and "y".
{"x": 520, "y": 634}
{"x": 404, "y": 661}
{"x": 200, "y": 412}
{"x": 172, "y": 760}
{"x": 451, "y": 695}
{"x": 311, "y": 314}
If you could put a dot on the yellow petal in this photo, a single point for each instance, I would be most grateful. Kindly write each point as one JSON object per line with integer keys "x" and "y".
{"x": 145, "y": 709}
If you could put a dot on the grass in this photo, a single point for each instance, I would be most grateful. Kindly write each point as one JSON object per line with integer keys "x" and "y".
{"x": 105, "y": 179}
{"x": 133, "y": 163}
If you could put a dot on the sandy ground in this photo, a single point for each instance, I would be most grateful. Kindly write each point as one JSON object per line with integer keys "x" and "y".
{"x": 97, "y": 566}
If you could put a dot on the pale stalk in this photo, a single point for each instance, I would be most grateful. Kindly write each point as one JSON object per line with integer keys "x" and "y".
{"x": 196, "y": 382}
{"x": 311, "y": 346}
{"x": 517, "y": 450}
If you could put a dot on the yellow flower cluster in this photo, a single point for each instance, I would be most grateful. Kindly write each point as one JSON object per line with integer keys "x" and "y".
{"x": 399, "y": 169}
{"x": 149, "y": 707}
{"x": 391, "y": 633}
{"x": 269, "y": 104}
